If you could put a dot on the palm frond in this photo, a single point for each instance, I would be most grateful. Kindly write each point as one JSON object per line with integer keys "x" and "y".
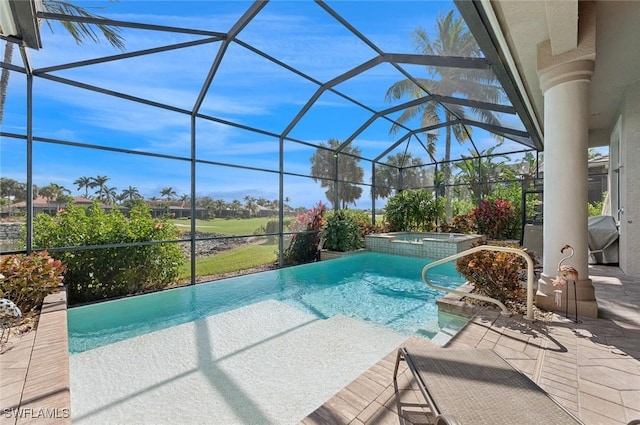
{"x": 81, "y": 31}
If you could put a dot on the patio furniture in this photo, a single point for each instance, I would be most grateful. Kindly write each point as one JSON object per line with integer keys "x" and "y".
{"x": 603, "y": 240}
{"x": 477, "y": 386}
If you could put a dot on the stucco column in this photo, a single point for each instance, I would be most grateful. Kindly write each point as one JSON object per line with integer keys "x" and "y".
{"x": 566, "y": 115}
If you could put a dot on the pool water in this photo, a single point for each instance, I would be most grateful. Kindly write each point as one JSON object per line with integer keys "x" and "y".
{"x": 381, "y": 288}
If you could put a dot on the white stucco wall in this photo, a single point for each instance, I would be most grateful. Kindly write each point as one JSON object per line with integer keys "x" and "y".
{"x": 630, "y": 182}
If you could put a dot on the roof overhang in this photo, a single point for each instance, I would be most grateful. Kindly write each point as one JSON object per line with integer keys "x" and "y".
{"x": 18, "y": 20}
{"x": 482, "y": 23}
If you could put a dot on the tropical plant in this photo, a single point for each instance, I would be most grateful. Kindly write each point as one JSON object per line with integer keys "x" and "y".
{"x": 495, "y": 218}
{"x": 452, "y": 39}
{"x": 12, "y": 191}
{"x": 595, "y": 208}
{"x": 348, "y": 174}
{"x": 250, "y": 204}
{"x": 461, "y": 223}
{"x": 80, "y": 32}
{"x": 341, "y": 232}
{"x": 304, "y": 245}
{"x": 101, "y": 183}
{"x": 183, "y": 200}
{"x": 55, "y": 193}
{"x": 497, "y": 274}
{"x": 413, "y": 210}
{"x": 234, "y": 206}
{"x": 102, "y": 273}
{"x": 84, "y": 183}
{"x": 480, "y": 171}
{"x": 168, "y": 193}
{"x": 529, "y": 168}
{"x": 26, "y": 279}
{"x": 131, "y": 193}
{"x": 398, "y": 172}
{"x": 511, "y": 189}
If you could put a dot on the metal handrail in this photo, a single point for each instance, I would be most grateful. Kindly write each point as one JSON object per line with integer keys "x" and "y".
{"x": 483, "y": 297}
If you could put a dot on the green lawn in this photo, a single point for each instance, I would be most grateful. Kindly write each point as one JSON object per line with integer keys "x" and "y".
{"x": 241, "y": 258}
{"x": 233, "y": 226}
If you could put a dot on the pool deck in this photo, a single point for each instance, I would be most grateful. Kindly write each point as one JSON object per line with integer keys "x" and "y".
{"x": 592, "y": 368}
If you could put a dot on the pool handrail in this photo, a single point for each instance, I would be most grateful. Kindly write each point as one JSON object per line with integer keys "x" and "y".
{"x": 504, "y": 309}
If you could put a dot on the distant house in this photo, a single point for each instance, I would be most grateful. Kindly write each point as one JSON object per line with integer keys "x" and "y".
{"x": 598, "y": 177}
{"x": 176, "y": 209}
{"x": 43, "y": 205}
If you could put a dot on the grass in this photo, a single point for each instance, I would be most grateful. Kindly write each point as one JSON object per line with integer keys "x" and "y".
{"x": 232, "y": 226}
{"x": 241, "y": 258}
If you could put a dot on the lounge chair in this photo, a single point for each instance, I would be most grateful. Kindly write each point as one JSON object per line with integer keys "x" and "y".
{"x": 475, "y": 386}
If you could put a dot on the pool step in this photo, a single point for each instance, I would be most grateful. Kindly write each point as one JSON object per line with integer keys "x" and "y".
{"x": 263, "y": 363}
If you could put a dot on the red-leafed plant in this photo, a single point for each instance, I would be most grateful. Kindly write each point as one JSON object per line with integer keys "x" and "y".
{"x": 497, "y": 274}
{"x": 495, "y": 219}
{"x": 27, "y": 279}
{"x": 304, "y": 246}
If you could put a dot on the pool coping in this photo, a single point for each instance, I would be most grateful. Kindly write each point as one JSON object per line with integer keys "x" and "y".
{"x": 38, "y": 362}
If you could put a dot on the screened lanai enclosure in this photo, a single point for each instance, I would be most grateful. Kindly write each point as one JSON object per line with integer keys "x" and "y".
{"x": 222, "y": 112}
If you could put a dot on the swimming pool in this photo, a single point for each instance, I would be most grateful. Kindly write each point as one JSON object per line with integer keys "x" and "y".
{"x": 381, "y": 288}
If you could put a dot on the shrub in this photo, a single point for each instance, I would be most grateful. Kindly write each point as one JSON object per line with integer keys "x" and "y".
{"x": 463, "y": 223}
{"x": 495, "y": 219}
{"x": 342, "y": 232}
{"x": 304, "y": 246}
{"x": 413, "y": 210}
{"x": 512, "y": 192}
{"x": 595, "y": 208}
{"x": 27, "y": 279}
{"x": 101, "y": 273}
{"x": 496, "y": 274}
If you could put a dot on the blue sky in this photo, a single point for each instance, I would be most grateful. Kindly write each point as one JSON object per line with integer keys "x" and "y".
{"x": 247, "y": 90}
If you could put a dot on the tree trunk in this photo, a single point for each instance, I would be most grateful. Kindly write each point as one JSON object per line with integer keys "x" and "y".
{"x": 4, "y": 77}
{"x": 446, "y": 171}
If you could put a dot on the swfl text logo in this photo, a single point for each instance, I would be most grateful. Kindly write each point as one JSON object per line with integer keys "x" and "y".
{"x": 35, "y": 413}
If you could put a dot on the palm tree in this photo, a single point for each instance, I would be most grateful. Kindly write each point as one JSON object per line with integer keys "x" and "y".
{"x": 184, "y": 198}
{"x": 9, "y": 188}
{"x": 219, "y": 205}
{"x": 100, "y": 183}
{"x": 453, "y": 39}
{"x": 55, "y": 193}
{"x": 110, "y": 194}
{"x": 250, "y": 204}
{"x": 388, "y": 174}
{"x": 168, "y": 193}
{"x": 130, "y": 193}
{"x": 235, "y": 206}
{"x": 83, "y": 182}
{"x": 79, "y": 31}
{"x": 479, "y": 172}
{"x": 323, "y": 168}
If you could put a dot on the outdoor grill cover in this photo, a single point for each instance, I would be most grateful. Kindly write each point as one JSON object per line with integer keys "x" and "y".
{"x": 603, "y": 239}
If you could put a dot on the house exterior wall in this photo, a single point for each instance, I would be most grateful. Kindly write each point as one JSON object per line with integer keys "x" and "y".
{"x": 629, "y": 182}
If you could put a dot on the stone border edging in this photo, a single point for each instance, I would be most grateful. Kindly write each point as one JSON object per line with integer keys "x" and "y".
{"x": 46, "y": 396}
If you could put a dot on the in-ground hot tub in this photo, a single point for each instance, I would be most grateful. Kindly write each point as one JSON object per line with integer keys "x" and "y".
{"x": 428, "y": 245}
